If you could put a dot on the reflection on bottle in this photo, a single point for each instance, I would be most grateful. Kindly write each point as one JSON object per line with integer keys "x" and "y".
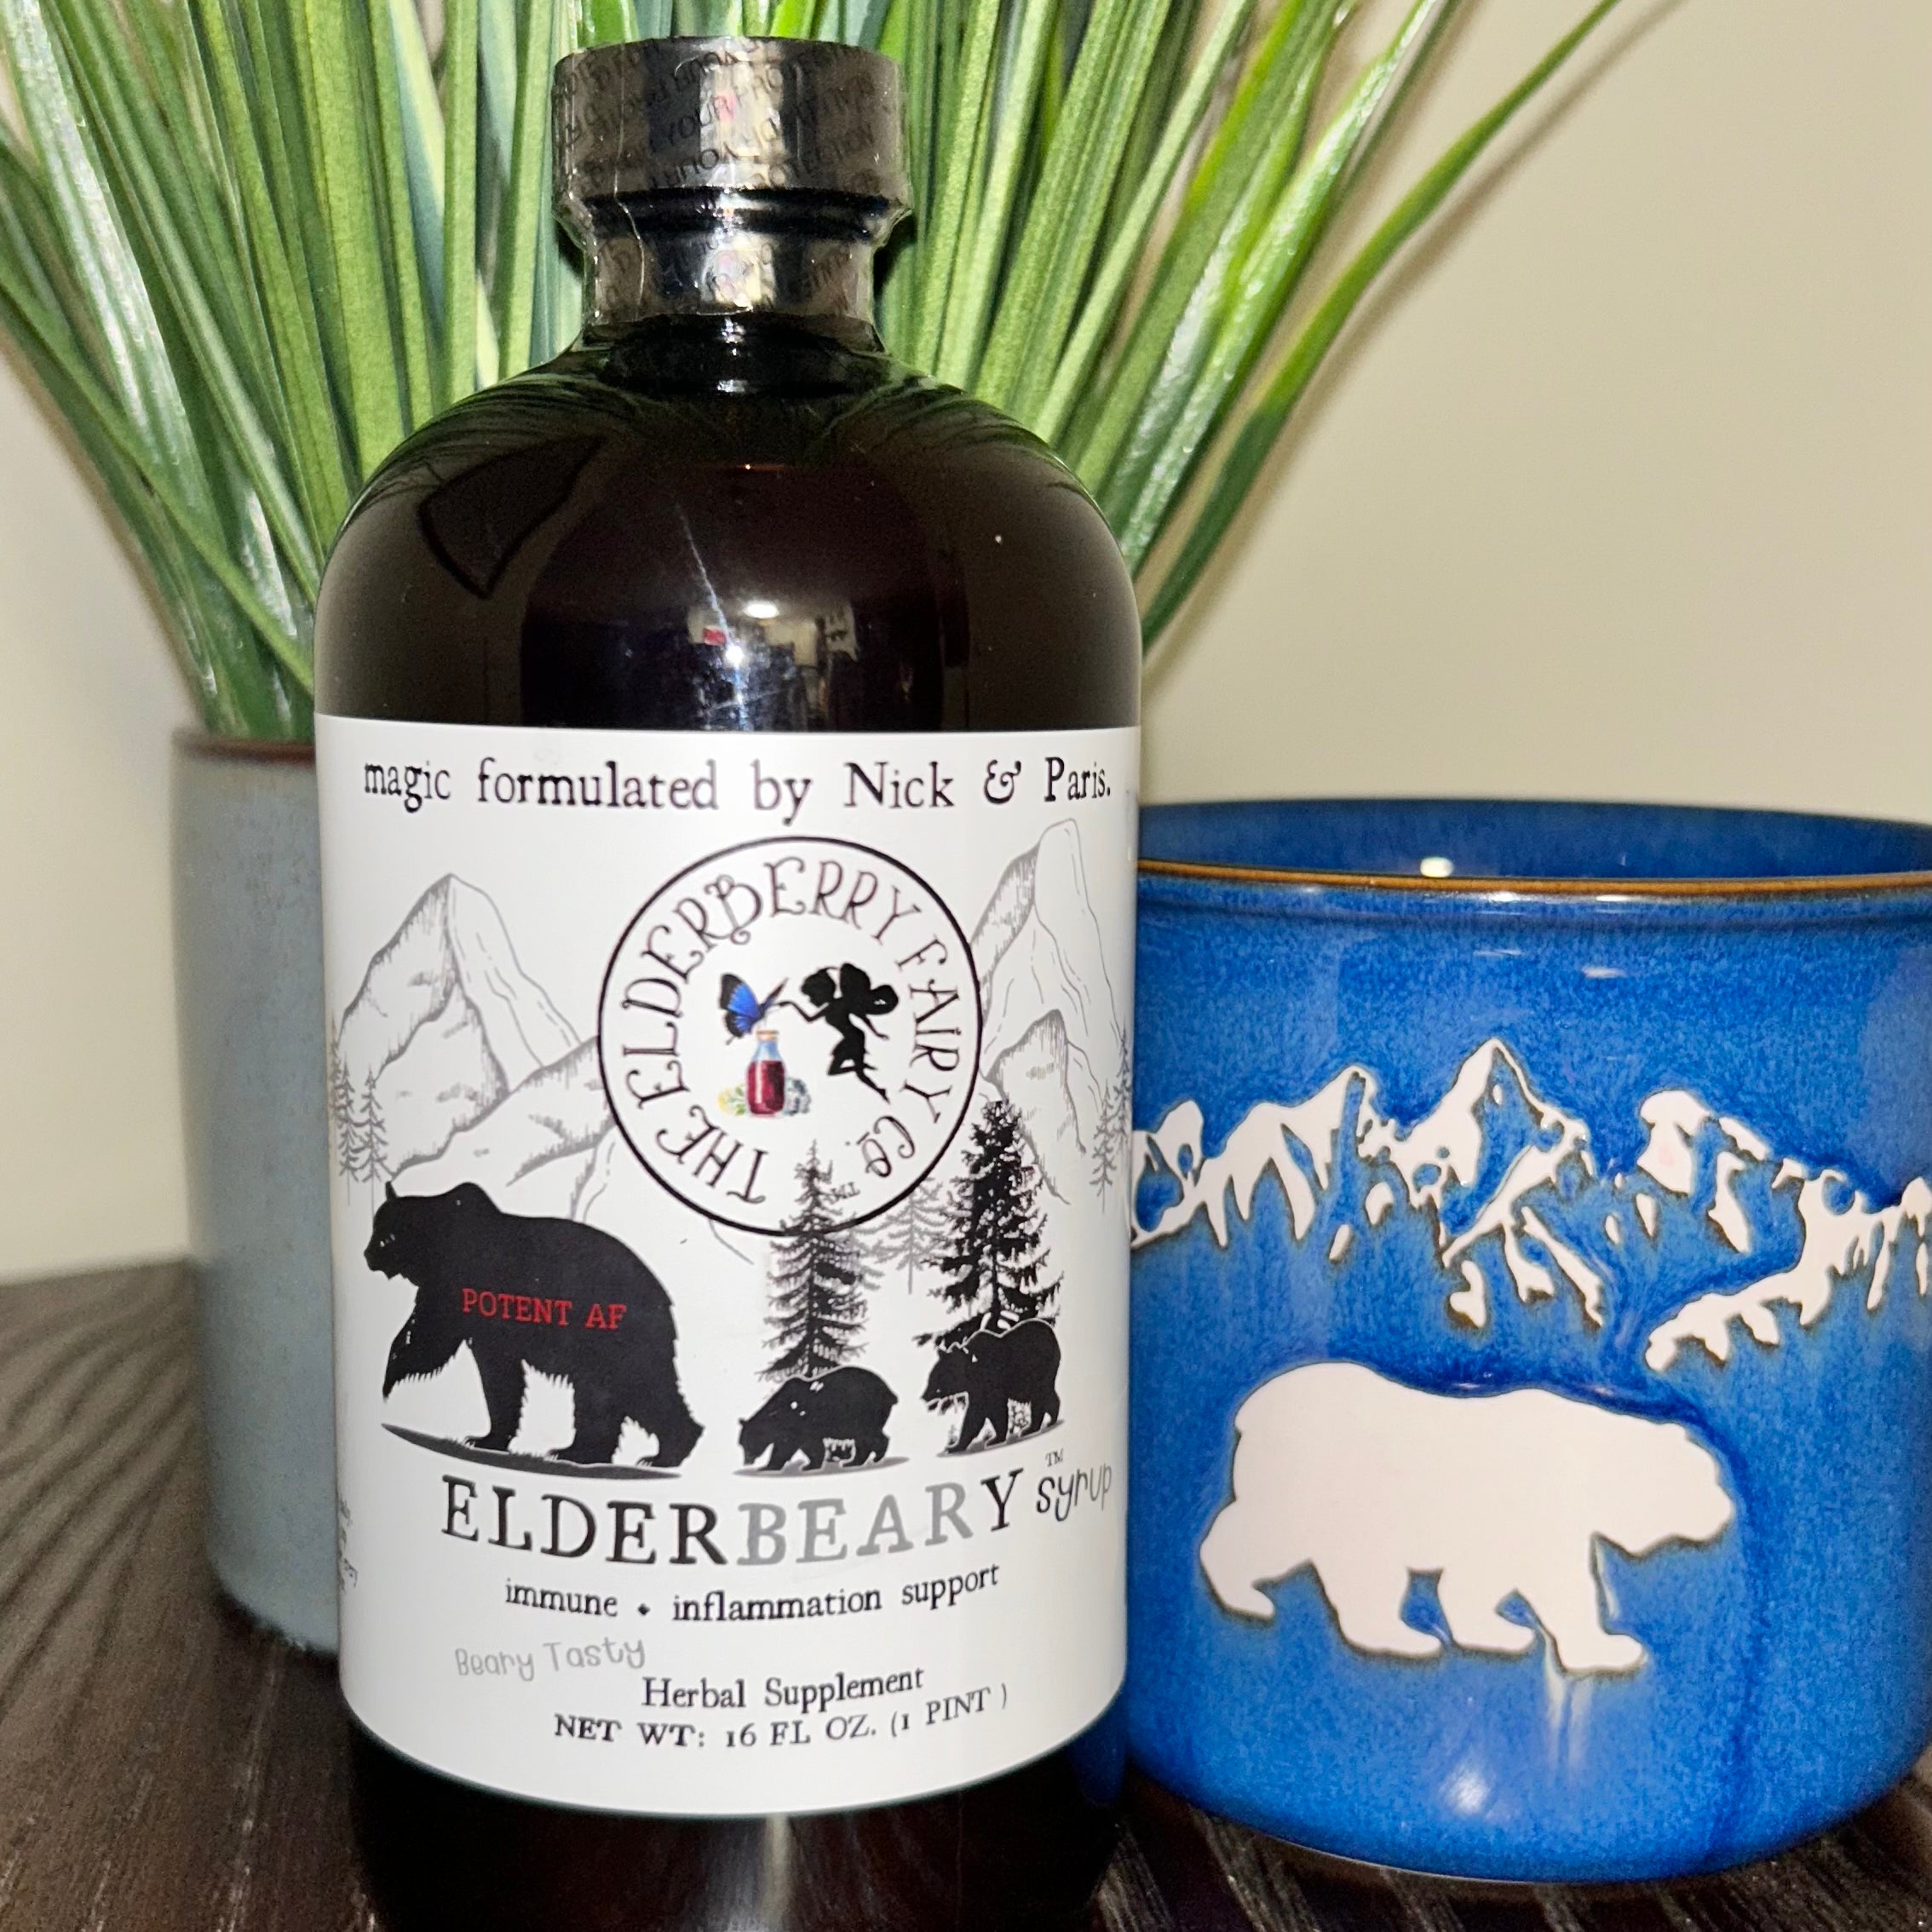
{"x": 764, "y": 1079}
{"x": 768, "y": 643}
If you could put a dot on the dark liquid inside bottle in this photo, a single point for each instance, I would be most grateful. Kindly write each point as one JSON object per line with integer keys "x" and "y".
{"x": 764, "y": 1084}
{"x": 729, "y": 522}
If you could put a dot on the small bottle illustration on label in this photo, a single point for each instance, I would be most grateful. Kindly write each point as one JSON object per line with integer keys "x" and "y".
{"x": 764, "y": 1079}
{"x": 728, "y": 748}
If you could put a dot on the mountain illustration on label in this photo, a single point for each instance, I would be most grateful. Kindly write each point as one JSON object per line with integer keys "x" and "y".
{"x": 451, "y": 1063}
{"x": 1055, "y": 1044}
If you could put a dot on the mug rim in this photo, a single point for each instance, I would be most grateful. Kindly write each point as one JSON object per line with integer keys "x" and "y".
{"x": 1502, "y": 888}
{"x": 1505, "y": 885}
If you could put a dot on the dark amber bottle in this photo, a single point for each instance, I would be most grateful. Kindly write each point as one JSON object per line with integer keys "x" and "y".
{"x": 719, "y": 727}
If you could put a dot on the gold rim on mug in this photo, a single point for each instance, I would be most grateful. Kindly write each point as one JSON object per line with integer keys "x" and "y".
{"x": 1480, "y": 886}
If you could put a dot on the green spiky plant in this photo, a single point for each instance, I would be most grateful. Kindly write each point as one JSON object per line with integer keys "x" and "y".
{"x": 248, "y": 245}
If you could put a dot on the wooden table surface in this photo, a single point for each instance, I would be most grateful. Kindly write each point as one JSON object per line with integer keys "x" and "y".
{"x": 166, "y": 1768}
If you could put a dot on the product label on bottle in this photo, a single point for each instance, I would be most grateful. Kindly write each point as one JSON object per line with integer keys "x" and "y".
{"x": 730, "y": 1199}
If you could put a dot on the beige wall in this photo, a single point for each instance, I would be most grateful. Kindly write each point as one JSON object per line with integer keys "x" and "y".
{"x": 1630, "y": 493}
{"x": 90, "y": 1165}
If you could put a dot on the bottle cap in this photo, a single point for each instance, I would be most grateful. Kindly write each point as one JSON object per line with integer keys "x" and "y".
{"x": 726, "y": 115}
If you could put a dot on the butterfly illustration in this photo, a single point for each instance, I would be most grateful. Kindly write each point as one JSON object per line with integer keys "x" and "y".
{"x": 743, "y": 1009}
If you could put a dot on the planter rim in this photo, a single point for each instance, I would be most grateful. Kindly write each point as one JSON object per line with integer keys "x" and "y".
{"x": 191, "y": 742}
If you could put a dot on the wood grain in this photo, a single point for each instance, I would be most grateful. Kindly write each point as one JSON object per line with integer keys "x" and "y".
{"x": 164, "y": 1767}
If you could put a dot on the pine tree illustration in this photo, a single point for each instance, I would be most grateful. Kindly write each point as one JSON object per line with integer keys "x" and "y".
{"x": 1110, "y": 1136}
{"x": 345, "y": 1115}
{"x": 908, "y": 1238}
{"x": 375, "y": 1136}
{"x": 820, "y": 1278}
{"x": 994, "y": 1253}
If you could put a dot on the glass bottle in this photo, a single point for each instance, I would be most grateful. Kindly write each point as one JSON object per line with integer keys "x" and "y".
{"x": 724, "y": 511}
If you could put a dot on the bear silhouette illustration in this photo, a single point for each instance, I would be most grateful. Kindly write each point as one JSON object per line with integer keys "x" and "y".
{"x": 994, "y": 1371}
{"x": 1370, "y": 1482}
{"x": 554, "y": 1295}
{"x": 812, "y": 1419}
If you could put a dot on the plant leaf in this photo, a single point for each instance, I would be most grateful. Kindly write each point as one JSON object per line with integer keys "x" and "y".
{"x": 1273, "y": 96}
{"x": 524, "y": 209}
{"x": 971, "y": 295}
{"x": 193, "y": 522}
{"x": 560, "y": 314}
{"x": 1070, "y": 205}
{"x": 903, "y": 270}
{"x": 173, "y": 268}
{"x": 461, "y": 60}
{"x": 1102, "y": 307}
{"x": 406, "y": 255}
{"x": 245, "y": 245}
{"x": 294, "y": 331}
{"x": 97, "y": 245}
{"x": 1285, "y": 388}
{"x": 1162, "y": 462}
{"x": 349, "y": 194}
{"x": 280, "y": 30}
{"x": 233, "y": 683}
{"x": 965, "y": 102}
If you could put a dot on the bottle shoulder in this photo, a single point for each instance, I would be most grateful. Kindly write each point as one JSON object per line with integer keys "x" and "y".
{"x": 848, "y": 407}
{"x": 600, "y": 542}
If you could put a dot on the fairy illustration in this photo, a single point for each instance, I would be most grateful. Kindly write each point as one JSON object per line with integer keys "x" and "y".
{"x": 849, "y": 1005}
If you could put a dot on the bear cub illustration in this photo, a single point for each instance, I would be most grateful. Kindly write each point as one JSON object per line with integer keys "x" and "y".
{"x": 554, "y": 1295}
{"x": 1370, "y": 1483}
{"x": 994, "y": 1371}
{"x": 845, "y": 1410}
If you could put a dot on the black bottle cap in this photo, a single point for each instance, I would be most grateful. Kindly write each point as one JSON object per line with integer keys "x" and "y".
{"x": 727, "y": 115}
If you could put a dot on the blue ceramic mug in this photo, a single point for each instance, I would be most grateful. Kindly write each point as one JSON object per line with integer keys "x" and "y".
{"x": 1532, "y": 1328}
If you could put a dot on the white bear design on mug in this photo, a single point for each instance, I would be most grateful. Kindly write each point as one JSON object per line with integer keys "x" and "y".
{"x": 1370, "y": 1482}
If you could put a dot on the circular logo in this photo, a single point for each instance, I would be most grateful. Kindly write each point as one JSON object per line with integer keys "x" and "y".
{"x": 789, "y": 1031}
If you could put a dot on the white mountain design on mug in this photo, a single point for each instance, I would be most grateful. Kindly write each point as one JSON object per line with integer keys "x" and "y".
{"x": 1505, "y": 1496}
{"x": 1518, "y": 1202}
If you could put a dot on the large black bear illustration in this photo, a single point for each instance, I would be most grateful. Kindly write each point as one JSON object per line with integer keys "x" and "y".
{"x": 805, "y": 1418}
{"x": 564, "y": 1299}
{"x": 1021, "y": 1364}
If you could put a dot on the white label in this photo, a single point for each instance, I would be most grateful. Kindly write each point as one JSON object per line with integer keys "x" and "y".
{"x": 730, "y": 1210}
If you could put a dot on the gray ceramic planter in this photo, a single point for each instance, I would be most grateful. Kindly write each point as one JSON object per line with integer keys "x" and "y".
{"x": 248, "y": 949}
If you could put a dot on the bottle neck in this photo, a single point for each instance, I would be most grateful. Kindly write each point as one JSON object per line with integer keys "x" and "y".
{"x": 811, "y": 264}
